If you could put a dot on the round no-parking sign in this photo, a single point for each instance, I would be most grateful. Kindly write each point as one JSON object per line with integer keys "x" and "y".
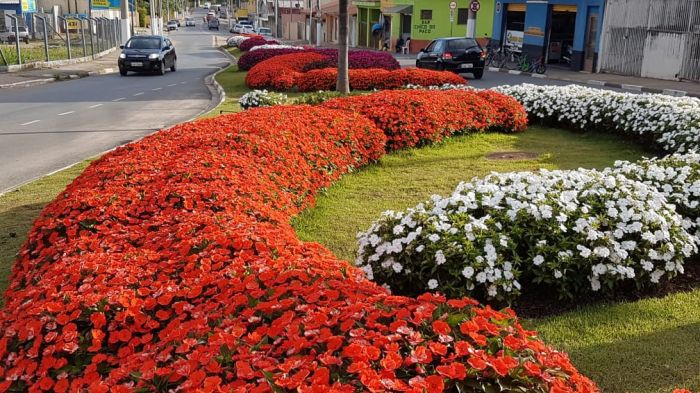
{"x": 475, "y": 6}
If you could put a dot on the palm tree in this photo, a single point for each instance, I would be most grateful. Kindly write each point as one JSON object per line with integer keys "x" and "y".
{"x": 343, "y": 83}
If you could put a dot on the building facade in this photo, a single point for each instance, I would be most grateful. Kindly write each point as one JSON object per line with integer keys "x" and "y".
{"x": 420, "y": 20}
{"x": 435, "y": 18}
{"x": 656, "y": 39}
{"x": 565, "y": 32}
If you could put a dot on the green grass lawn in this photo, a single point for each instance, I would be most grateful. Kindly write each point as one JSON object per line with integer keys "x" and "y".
{"x": 643, "y": 347}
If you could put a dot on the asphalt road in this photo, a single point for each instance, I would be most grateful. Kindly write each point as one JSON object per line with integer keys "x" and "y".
{"x": 45, "y": 128}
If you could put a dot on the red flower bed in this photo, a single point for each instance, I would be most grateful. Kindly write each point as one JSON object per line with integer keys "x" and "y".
{"x": 250, "y": 59}
{"x": 369, "y": 79}
{"x": 413, "y": 118}
{"x": 280, "y": 72}
{"x": 169, "y": 264}
{"x": 356, "y": 59}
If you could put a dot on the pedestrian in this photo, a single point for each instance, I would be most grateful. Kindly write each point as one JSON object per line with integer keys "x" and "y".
{"x": 386, "y": 45}
{"x": 399, "y": 44}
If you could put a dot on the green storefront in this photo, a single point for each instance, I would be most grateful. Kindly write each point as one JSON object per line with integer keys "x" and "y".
{"x": 421, "y": 20}
{"x": 431, "y": 19}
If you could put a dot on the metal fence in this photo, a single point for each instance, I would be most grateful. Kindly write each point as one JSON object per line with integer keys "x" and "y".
{"x": 651, "y": 38}
{"x": 52, "y": 37}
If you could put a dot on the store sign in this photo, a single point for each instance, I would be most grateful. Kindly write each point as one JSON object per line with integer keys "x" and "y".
{"x": 514, "y": 39}
{"x": 73, "y": 24}
{"x": 28, "y": 5}
{"x": 535, "y": 31}
{"x": 105, "y": 4}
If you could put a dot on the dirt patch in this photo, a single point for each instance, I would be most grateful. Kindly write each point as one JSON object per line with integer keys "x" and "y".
{"x": 511, "y": 155}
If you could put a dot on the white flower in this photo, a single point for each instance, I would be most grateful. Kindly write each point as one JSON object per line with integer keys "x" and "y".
{"x": 538, "y": 260}
{"x": 468, "y": 272}
{"x": 397, "y": 267}
{"x": 439, "y": 257}
{"x": 432, "y": 284}
{"x": 434, "y": 237}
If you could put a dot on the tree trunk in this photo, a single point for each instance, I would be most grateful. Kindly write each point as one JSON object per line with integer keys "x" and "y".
{"x": 343, "y": 83}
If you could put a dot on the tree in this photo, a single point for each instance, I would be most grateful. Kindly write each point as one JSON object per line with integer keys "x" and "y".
{"x": 343, "y": 83}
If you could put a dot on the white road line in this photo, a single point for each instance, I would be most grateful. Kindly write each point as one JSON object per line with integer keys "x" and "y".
{"x": 30, "y": 122}
{"x": 66, "y": 113}
{"x": 138, "y": 94}
{"x": 119, "y": 99}
{"x": 182, "y": 83}
{"x": 94, "y": 106}
{"x": 157, "y": 88}
{"x": 172, "y": 84}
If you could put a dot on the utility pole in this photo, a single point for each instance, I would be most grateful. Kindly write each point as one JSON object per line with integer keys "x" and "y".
{"x": 124, "y": 23}
{"x": 277, "y": 18}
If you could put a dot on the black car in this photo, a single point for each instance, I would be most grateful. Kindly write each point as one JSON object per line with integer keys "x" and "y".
{"x": 459, "y": 54}
{"x": 148, "y": 53}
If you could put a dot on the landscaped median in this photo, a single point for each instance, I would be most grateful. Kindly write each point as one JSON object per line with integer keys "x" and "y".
{"x": 169, "y": 263}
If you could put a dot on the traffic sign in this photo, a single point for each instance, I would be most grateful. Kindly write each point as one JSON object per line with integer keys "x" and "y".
{"x": 453, "y": 5}
{"x": 475, "y": 6}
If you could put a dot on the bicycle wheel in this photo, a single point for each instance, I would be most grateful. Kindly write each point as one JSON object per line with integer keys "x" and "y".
{"x": 512, "y": 61}
{"x": 540, "y": 68}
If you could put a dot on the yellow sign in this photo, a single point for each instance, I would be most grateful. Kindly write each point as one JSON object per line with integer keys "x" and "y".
{"x": 534, "y": 30}
{"x": 73, "y": 24}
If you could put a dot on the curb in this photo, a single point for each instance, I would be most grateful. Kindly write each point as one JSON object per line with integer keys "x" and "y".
{"x": 58, "y": 77}
{"x": 214, "y": 85}
{"x": 593, "y": 82}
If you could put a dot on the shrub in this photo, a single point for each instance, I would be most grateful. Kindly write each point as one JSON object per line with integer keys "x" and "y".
{"x": 671, "y": 123}
{"x": 236, "y": 40}
{"x": 316, "y": 98}
{"x": 677, "y": 176}
{"x": 250, "y": 59}
{"x": 417, "y": 117}
{"x": 357, "y": 59}
{"x": 170, "y": 264}
{"x": 258, "y": 98}
{"x": 575, "y": 231}
{"x": 279, "y": 72}
{"x": 371, "y": 79}
{"x": 253, "y": 42}
{"x": 275, "y": 46}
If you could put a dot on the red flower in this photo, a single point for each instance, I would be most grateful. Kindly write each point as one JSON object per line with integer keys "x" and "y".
{"x": 453, "y": 371}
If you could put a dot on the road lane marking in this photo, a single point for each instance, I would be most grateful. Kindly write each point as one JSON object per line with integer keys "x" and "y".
{"x": 157, "y": 88}
{"x": 182, "y": 83}
{"x": 30, "y": 122}
{"x": 138, "y": 94}
{"x": 94, "y": 106}
{"x": 172, "y": 84}
{"x": 119, "y": 99}
{"x": 66, "y": 113}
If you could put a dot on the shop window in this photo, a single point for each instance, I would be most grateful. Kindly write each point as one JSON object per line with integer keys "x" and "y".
{"x": 515, "y": 20}
{"x": 462, "y": 16}
{"x": 426, "y": 14}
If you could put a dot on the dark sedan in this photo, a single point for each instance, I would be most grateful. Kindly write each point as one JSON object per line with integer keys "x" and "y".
{"x": 147, "y": 54}
{"x": 460, "y": 55}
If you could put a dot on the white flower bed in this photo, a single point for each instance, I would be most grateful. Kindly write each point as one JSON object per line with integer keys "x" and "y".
{"x": 577, "y": 231}
{"x": 677, "y": 176}
{"x": 258, "y": 98}
{"x": 275, "y": 46}
{"x": 672, "y": 122}
{"x": 235, "y": 41}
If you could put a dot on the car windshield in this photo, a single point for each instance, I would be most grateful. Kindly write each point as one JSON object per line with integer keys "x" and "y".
{"x": 264, "y": 30}
{"x": 173, "y": 22}
{"x": 143, "y": 43}
{"x": 462, "y": 44}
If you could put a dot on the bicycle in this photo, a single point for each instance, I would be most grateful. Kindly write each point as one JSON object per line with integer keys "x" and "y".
{"x": 494, "y": 55}
{"x": 538, "y": 66}
{"x": 511, "y": 59}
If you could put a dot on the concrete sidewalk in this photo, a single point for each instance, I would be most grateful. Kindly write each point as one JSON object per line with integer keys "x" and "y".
{"x": 102, "y": 65}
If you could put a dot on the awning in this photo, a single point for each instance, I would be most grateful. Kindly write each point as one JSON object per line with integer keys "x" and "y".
{"x": 399, "y": 9}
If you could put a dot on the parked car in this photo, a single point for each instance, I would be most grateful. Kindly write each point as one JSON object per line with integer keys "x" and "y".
{"x": 172, "y": 25}
{"x": 9, "y": 35}
{"x": 264, "y": 31}
{"x": 214, "y": 24}
{"x": 460, "y": 55}
{"x": 189, "y": 21}
{"x": 147, "y": 53}
{"x": 241, "y": 29}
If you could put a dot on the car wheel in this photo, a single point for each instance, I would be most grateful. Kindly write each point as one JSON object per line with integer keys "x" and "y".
{"x": 478, "y": 74}
{"x": 162, "y": 68}
{"x": 123, "y": 72}
{"x": 173, "y": 68}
